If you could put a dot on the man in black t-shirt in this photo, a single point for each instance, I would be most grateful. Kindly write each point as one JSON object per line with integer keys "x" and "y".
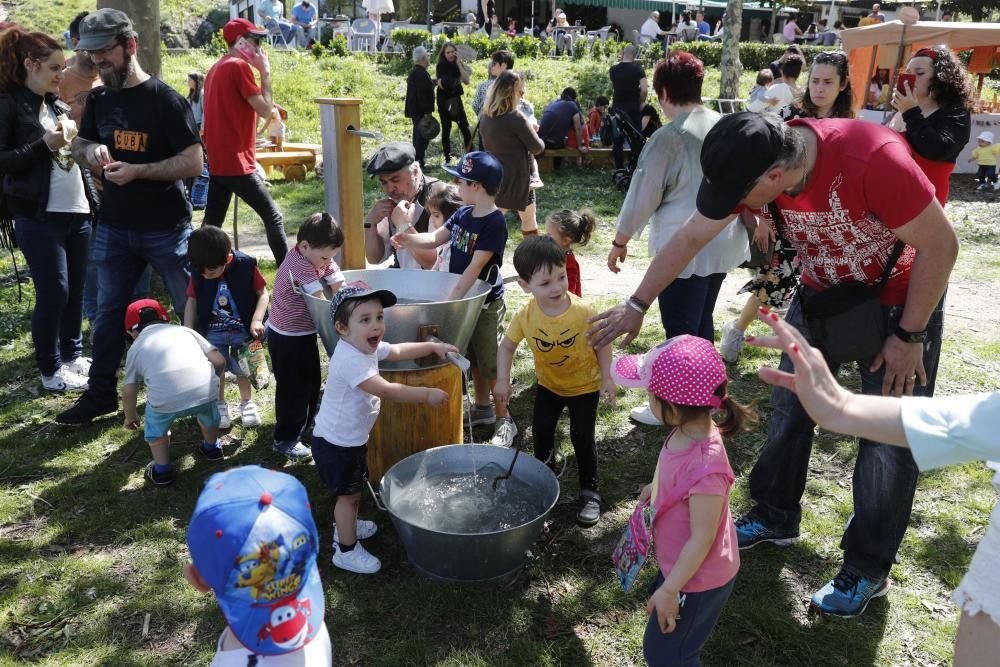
{"x": 628, "y": 80}
{"x": 141, "y": 136}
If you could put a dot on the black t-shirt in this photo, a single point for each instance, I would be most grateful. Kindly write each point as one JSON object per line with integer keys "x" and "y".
{"x": 625, "y": 78}
{"x": 141, "y": 125}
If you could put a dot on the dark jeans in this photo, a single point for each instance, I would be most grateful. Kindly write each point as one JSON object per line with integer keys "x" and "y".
{"x": 56, "y": 248}
{"x": 885, "y": 477}
{"x": 249, "y": 188}
{"x": 686, "y": 305}
{"x": 295, "y": 363}
{"x": 582, "y": 421}
{"x": 698, "y": 615}
{"x": 141, "y": 291}
{"x": 618, "y": 146}
{"x": 987, "y": 174}
{"x": 419, "y": 143}
{"x": 463, "y": 126}
{"x": 121, "y": 256}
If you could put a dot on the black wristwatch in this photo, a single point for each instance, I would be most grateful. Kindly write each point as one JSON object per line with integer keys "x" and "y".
{"x": 910, "y": 336}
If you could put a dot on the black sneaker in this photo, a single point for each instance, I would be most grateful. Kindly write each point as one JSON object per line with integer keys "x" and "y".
{"x": 588, "y": 508}
{"x": 162, "y": 478}
{"x": 87, "y": 408}
{"x": 212, "y": 452}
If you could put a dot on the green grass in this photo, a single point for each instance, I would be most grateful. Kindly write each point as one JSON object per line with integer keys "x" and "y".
{"x": 88, "y": 551}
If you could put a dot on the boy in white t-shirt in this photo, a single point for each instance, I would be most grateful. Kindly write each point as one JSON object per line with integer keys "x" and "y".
{"x": 350, "y": 406}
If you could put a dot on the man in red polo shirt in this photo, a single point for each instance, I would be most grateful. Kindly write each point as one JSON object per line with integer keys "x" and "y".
{"x": 233, "y": 101}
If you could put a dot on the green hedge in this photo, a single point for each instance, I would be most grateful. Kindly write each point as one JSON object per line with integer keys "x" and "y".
{"x": 753, "y": 55}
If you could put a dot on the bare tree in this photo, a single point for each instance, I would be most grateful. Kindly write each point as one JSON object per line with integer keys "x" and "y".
{"x": 145, "y": 15}
{"x": 731, "y": 66}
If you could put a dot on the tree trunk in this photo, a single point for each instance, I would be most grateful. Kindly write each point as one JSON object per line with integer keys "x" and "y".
{"x": 731, "y": 66}
{"x": 145, "y": 15}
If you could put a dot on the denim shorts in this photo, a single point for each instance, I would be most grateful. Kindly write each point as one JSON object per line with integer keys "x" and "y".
{"x": 343, "y": 469}
{"x": 229, "y": 343}
{"x": 158, "y": 423}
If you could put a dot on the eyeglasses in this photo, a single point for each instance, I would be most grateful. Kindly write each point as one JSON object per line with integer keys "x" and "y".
{"x": 102, "y": 53}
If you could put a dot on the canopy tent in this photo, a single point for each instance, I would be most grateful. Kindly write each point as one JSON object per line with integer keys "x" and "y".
{"x": 879, "y": 46}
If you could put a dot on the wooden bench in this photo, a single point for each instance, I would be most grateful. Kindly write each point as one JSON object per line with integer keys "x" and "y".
{"x": 596, "y": 158}
{"x": 293, "y": 164}
{"x": 315, "y": 149}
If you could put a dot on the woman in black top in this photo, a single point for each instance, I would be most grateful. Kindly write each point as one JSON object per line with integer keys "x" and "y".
{"x": 450, "y": 76}
{"x": 934, "y": 113}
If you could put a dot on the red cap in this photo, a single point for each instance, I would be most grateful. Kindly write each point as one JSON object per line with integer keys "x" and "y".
{"x": 237, "y": 28}
{"x": 143, "y": 311}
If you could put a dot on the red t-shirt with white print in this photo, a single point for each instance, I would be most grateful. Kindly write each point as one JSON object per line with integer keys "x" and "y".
{"x": 864, "y": 184}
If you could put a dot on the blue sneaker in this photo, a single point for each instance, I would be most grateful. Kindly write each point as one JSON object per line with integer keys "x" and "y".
{"x": 848, "y": 594}
{"x": 750, "y": 533}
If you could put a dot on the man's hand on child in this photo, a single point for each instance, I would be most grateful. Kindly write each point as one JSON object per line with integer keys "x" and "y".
{"x": 436, "y": 396}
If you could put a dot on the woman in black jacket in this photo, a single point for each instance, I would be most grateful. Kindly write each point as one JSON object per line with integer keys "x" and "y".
{"x": 44, "y": 191}
{"x": 450, "y": 76}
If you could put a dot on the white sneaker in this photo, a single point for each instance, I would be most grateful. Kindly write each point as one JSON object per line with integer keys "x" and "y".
{"x": 80, "y": 366}
{"x": 731, "y": 343}
{"x": 356, "y": 560}
{"x": 645, "y": 416}
{"x": 224, "y": 419}
{"x": 64, "y": 380}
{"x": 249, "y": 414}
{"x": 505, "y": 432}
{"x": 363, "y": 529}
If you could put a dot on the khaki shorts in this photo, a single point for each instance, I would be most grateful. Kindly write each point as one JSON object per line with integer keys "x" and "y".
{"x": 486, "y": 339}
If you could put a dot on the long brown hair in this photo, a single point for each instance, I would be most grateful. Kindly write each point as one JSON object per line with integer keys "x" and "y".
{"x": 16, "y": 46}
{"x": 736, "y": 417}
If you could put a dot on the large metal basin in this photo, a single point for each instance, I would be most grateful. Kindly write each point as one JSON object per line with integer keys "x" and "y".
{"x": 421, "y": 297}
{"x": 468, "y": 557}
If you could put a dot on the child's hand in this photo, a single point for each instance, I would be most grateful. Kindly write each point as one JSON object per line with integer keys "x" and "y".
{"x": 646, "y": 493}
{"x": 436, "y": 396}
{"x": 132, "y": 421}
{"x": 667, "y": 607}
{"x": 402, "y": 239}
{"x": 442, "y": 349}
{"x": 256, "y": 328}
{"x": 609, "y": 391}
{"x": 501, "y": 391}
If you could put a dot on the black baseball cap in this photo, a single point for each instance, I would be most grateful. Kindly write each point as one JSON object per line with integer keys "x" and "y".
{"x": 735, "y": 153}
{"x": 101, "y": 27}
{"x": 391, "y": 158}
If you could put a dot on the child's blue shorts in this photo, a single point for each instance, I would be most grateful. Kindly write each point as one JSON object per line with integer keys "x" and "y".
{"x": 158, "y": 423}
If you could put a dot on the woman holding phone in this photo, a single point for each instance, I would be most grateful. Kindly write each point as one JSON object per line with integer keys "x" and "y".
{"x": 934, "y": 117}
{"x": 45, "y": 192}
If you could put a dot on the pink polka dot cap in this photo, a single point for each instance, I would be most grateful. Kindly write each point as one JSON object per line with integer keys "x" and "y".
{"x": 685, "y": 370}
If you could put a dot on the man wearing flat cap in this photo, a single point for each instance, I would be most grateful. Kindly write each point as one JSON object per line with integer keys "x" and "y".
{"x": 233, "y": 103}
{"x": 849, "y": 197}
{"x": 397, "y": 170}
{"x": 140, "y": 135}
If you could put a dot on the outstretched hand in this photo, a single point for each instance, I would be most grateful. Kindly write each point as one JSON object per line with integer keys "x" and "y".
{"x": 612, "y": 323}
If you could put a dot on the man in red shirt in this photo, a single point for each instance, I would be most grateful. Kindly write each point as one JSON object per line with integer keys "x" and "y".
{"x": 233, "y": 101}
{"x": 846, "y": 192}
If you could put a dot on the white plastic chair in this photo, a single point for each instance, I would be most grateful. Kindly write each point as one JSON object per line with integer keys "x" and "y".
{"x": 362, "y": 37}
{"x": 274, "y": 34}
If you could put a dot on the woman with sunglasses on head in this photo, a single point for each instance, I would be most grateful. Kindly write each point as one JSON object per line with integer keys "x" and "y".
{"x": 44, "y": 190}
{"x": 934, "y": 113}
{"x": 828, "y": 93}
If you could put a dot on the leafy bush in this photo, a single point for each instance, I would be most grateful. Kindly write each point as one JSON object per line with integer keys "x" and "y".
{"x": 217, "y": 46}
{"x": 526, "y": 47}
{"x": 409, "y": 39}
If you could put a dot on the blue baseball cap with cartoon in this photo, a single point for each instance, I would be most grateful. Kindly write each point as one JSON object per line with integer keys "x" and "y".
{"x": 478, "y": 167}
{"x": 253, "y": 540}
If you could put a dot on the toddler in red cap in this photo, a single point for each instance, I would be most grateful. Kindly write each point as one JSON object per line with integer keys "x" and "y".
{"x": 693, "y": 531}
{"x": 181, "y": 371}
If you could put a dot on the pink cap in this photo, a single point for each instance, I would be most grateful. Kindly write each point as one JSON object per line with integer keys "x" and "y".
{"x": 685, "y": 370}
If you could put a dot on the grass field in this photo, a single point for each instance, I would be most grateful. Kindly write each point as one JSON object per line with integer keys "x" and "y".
{"x": 91, "y": 557}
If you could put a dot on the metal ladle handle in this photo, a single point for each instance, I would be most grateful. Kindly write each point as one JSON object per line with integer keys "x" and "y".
{"x": 367, "y": 134}
{"x": 453, "y": 357}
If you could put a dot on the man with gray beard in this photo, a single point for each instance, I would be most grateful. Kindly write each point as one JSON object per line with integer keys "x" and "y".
{"x": 140, "y": 135}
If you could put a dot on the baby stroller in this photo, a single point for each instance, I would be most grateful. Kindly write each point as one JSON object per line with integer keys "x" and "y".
{"x": 622, "y": 125}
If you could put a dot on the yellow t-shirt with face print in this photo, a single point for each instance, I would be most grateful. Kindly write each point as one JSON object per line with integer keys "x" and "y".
{"x": 564, "y": 363}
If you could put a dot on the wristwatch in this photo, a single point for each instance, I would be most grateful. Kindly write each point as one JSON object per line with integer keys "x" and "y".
{"x": 910, "y": 336}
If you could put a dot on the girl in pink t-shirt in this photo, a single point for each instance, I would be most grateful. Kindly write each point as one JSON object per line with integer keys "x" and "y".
{"x": 693, "y": 533}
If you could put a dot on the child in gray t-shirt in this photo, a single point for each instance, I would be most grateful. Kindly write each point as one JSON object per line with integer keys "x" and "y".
{"x": 181, "y": 371}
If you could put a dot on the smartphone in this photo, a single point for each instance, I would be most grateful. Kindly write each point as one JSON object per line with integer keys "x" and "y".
{"x": 907, "y": 77}
{"x": 246, "y": 48}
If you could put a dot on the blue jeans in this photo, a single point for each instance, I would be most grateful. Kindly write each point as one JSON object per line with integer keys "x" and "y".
{"x": 141, "y": 291}
{"x": 121, "y": 256}
{"x": 56, "y": 250}
{"x": 885, "y": 477}
{"x": 686, "y": 305}
{"x": 698, "y": 616}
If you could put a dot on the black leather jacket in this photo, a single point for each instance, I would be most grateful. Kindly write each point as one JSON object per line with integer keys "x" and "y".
{"x": 25, "y": 159}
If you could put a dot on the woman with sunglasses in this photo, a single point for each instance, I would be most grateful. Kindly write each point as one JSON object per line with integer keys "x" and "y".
{"x": 44, "y": 190}
{"x": 934, "y": 113}
{"x": 828, "y": 93}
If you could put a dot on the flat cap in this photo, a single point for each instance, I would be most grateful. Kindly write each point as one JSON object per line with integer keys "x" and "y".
{"x": 101, "y": 27}
{"x": 391, "y": 158}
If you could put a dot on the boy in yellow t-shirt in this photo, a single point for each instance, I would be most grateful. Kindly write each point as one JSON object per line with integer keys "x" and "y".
{"x": 985, "y": 155}
{"x": 569, "y": 373}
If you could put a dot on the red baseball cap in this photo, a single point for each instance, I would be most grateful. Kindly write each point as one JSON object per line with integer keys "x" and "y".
{"x": 143, "y": 311}
{"x": 237, "y": 28}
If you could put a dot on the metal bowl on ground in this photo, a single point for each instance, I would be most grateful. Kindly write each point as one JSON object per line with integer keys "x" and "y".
{"x": 468, "y": 557}
{"x": 421, "y": 301}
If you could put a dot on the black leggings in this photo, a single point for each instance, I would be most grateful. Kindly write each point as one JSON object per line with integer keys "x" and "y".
{"x": 582, "y": 423}
{"x": 463, "y": 125}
